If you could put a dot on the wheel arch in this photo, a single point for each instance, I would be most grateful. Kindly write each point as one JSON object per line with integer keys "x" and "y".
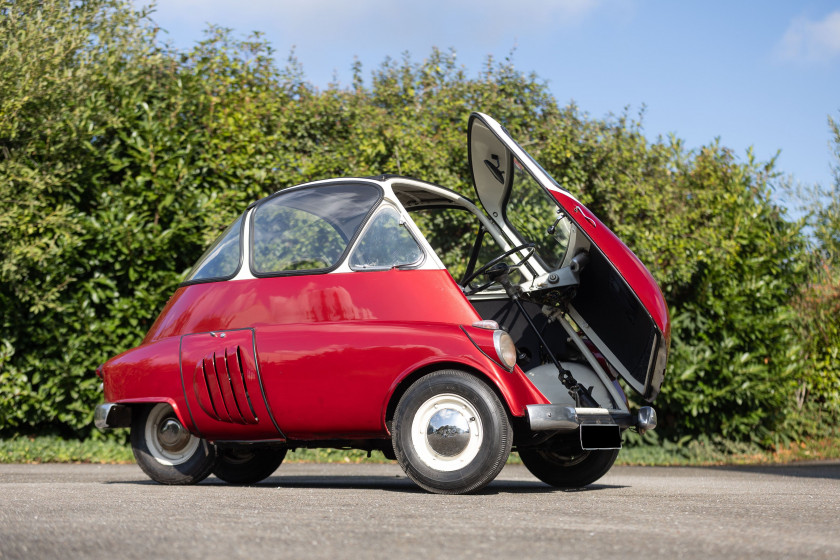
{"x": 408, "y": 380}
{"x": 182, "y": 413}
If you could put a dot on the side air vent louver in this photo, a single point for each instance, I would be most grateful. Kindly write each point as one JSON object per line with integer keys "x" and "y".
{"x": 221, "y": 389}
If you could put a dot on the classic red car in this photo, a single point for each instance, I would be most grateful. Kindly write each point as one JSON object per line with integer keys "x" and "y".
{"x": 386, "y": 313}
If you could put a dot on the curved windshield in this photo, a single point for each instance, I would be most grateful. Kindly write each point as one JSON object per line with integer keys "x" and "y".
{"x": 221, "y": 261}
{"x": 537, "y": 218}
{"x": 308, "y": 229}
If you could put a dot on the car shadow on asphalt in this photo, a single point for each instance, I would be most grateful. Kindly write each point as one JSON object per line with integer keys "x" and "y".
{"x": 402, "y": 484}
{"x": 387, "y": 484}
{"x": 820, "y": 469}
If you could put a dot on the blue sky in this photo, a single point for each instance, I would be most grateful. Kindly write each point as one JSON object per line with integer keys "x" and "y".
{"x": 761, "y": 74}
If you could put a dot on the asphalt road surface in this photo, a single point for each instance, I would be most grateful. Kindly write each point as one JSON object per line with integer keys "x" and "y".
{"x": 373, "y": 511}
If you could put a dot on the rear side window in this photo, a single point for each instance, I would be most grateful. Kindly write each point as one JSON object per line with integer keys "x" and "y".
{"x": 309, "y": 229}
{"x": 386, "y": 244}
{"x": 222, "y": 260}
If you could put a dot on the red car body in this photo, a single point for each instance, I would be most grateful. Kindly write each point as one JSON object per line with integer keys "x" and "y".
{"x": 302, "y": 344}
{"x": 362, "y": 345}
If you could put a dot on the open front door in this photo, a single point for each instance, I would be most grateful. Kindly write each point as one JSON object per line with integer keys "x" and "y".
{"x": 615, "y": 301}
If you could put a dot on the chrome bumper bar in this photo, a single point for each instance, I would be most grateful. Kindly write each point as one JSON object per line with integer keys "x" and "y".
{"x": 564, "y": 418}
{"x": 111, "y": 415}
{"x": 589, "y": 421}
{"x": 598, "y": 427}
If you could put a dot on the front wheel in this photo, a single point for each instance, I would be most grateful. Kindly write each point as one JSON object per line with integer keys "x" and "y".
{"x": 165, "y": 450}
{"x": 451, "y": 434}
{"x": 563, "y": 469}
{"x": 247, "y": 466}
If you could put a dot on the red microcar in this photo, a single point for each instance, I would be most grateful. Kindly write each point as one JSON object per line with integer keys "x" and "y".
{"x": 386, "y": 313}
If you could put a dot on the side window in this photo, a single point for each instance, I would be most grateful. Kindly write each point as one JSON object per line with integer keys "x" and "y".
{"x": 452, "y": 233}
{"x": 386, "y": 244}
{"x": 221, "y": 261}
{"x": 308, "y": 229}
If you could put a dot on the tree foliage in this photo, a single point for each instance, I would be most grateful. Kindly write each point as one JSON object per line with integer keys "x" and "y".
{"x": 122, "y": 158}
{"x": 818, "y": 308}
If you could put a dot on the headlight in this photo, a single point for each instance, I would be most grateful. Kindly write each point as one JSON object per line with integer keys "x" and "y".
{"x": 505, "y": 348}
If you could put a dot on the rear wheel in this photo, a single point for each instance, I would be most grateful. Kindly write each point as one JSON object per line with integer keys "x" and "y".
{"x": 565, "y": 469}
{"x": 451, "y": 434}
{"x": 165, "y": 450}
{"x": 247, "y": 466}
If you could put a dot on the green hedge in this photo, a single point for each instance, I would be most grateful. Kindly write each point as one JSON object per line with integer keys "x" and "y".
{"x": 121, "y": 158}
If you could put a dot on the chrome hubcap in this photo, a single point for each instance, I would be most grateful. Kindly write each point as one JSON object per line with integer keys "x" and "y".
{"x": 172, "y": 435}
{"x": 167, "y": 439}
{"x": 448, "y": 433}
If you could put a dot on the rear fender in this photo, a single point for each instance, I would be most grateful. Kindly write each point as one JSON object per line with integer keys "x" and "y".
{"x": 180, "y": 409}
{"x": 148, "y": 374}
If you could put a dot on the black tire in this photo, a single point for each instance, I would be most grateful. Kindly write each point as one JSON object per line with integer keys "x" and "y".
{"x": 563, "y": 469}
{"x": 472, "y": 441}
{"x": 164, "y": 449}
{"x": 247, "y": 466}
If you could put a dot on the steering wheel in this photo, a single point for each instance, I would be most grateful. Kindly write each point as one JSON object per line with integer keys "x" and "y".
{"x": 488, "y": 266}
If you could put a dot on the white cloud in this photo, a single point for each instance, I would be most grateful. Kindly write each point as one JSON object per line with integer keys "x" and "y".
{"x": 812, "y": 41}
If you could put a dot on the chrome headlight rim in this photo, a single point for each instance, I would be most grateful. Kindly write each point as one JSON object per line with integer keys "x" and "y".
{"x": 505, "y": 349}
